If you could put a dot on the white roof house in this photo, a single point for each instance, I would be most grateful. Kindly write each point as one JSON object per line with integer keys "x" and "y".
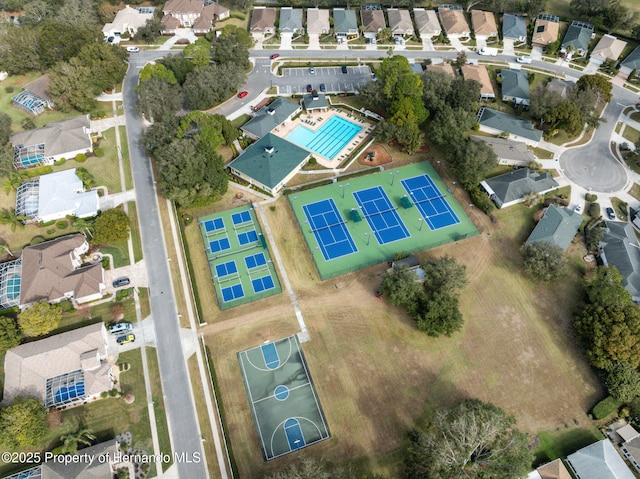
{"x": 128, "y": 20}
{"x": 599, "y": 461}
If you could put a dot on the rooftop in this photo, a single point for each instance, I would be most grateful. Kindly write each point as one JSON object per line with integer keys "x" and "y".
{"x": 480, "y": 74}
{"x": 453, "y": 20}
{"x": 509, "y": 124}
{"x": 514, "y": 26}
{"x": 506, "y": 149}
{"x": 558, "y": 226}
{"x": 426, "y": 21}
{"x": 59, "y": 137}
{"x": 514, "y": 185}
{"x": 344, "y": 21}
{"x": 290, "y": 19}
{"x": 515, "y": 83}
{"x": 599, "y": 461}
{"x": 620, "y": 249}
{"x": 484, "y": 23}
{"x": 608, "y": 47}
{"x": 545, "y": 30}
{"x": 262, "y": 19}
{"x": 269, "y": 117}
{"x": 578, "y": 36}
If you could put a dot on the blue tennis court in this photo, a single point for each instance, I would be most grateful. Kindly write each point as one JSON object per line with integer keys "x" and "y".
{"x": 254, "y": 260}
{"x": 262, "y": 284}
{"x": 329, "y": 229}
{"x": 232, "y": 292}
{"x": 381, "y": 215}
{"x": 327, "y": 140}
{"x": 241, "y": 217}
{"x": 68, "y": 393}
{"x": 431, "y": 203}
{"x": 247, "y": 237}
{"x": 270, "y": 355}
{"x": 226, "y": 269}
{"x": 219, "y": 244}
{"x": 213, "y": 225}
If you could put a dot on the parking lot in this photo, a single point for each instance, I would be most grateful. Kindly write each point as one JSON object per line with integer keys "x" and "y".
{"x": 296, "y": 80}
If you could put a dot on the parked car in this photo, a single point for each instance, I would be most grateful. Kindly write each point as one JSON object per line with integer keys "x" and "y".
{"x": 274, "y": 56}
{"x": 523, "y": 59}
{"x": 323, "y": 87}
{"x": 578, "y": 209}
{"x": 312, "y": 70}
{"x": 120, "y": 328}
{"x": 309, "y": 88}
{"x": 486, "y": 51}
{"x": 242, "y": 94}
{"x": 118, "y": 283}
{"x": 610, "y": 213}
{"x": 133, "y": 49}
{"x": 127, "y": 338}
{"x": 344, "y": 68}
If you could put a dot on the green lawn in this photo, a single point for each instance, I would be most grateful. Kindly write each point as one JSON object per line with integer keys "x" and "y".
{"x": 120, "y": 253}
{"x": 555, "y": 444}
{"x": 635, "y": 116}
{"x": 543, "y": 154}
{"x": 135, "y": 231}
{"x": 126, "y": 165}
{"x": 631, "y": 134}
{"x": 635, "y": 191}
{"x": 158, "y": 404}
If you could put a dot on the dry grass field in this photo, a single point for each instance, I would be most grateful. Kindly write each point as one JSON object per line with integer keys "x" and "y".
{"x": 376, "y": 375}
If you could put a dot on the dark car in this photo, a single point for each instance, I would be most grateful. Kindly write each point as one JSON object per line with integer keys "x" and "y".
{"x": 344, "y": 68}
{"x": 309, "y": 88}
{"x": 323, "y": 87}
{"x": 118, "y": 283}
{"x": 274, "y": 56}
{"x": 610, "y": 213}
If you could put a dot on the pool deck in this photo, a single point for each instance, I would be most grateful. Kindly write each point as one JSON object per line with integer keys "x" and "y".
{"x": 314, "y": 120}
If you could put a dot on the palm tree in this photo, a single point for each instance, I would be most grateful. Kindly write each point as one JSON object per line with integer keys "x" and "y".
{"x": 12, "y": 183}
{"x": 8, "y": 216}
{"x": 70, "y": 441}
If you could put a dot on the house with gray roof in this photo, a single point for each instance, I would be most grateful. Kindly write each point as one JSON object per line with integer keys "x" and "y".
{"x": 497, "y": 122}
{"x": 345, "y": 24}
{"x": 515, "y": 86}
{"x": 270, "y": 163}
{"x": 514, "y": 27}
{"x": 619, "y": 247}
{"x": 400, "y": 22}
{"x": 630, "y": 448}
{"x": 599, "y": 461}
{"x": 270, "y": 117}
{"x": 316, "y": 101}
{"x": 576, "y": 40}
{"x": 558, "y": 227}
{"x": 631, "y": 62}
{"x": 427, "y": 23}
{"x": 509, "y": 152}
{"x": 290, "y": 21}
{"x": 511, "y": 188}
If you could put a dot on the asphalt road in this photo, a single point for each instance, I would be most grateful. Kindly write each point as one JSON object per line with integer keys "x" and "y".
{"x": 178, "y": 399}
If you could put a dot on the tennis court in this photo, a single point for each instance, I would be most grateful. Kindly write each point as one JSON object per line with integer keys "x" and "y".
{"x": 329, "y": 229}
{"x": 331, "y": 218}
{"x": 381, "y": 215}
{"x": 431, "y": 203}
{"x": 240, "y": 264}
{"x": 282, "y": 397}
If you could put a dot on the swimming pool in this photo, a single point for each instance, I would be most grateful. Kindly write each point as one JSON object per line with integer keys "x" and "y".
{"x": 329, "y": 139}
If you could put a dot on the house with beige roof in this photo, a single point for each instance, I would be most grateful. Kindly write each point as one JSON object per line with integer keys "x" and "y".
{"x": 128, "y": 20}
{"x": 191, "y": 14}
{"x": 545, "y": 30}
{"x": 427, "y": 23}
{"x": 609, "y": 47}
{"x": 263, "y": 22}
{"x": 63, "y": 370}
{"x": 454, "y": 22}
{"x": 480, "y": 74}
{"x": 400, "y": 22}
{"x": 484, "y": 24}
{"x": 318, "y": 21}
{"x": 553, "y": 470}
{"x": 443, "y": 67}
{"x": 373, "y": 22}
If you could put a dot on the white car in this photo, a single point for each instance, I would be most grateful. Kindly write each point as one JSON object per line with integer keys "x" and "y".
{"x": 133, "y": 49}
{"x": 523, "y": 59}
{"x": 578, "y": 209}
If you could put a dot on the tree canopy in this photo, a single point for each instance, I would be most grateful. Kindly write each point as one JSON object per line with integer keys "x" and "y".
{"x": 470, "y": 160}
{"x": 111, "y": 226}
{"x": 622, "y": 380}
{"x": 471, "y": 440}
{"x": 40, "y": 318}
{"x": 23, "y": 424}
{"x": 543, "y": 260}
{"x": 9, "y": 333}
{"x": 596, "y": 82}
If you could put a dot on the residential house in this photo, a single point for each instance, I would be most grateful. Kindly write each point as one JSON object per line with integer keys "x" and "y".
{"x": 454, "y": 22}
{"x": 576, "y": 40}
{"x": 191, "y": 14}
{"x": 509, "y": 152}
{"x": 609, "y": 47}
{"x": 599, "y": 461}
{"x": 55, "y": 196}
{"x": 515, "y": 86}
{"x": 270, "y": 117}
{"x": 558, "y": 227}
{"x": 318, "y": 21}
{"x": 63, "y": 370}
{"x": 60, "y": 139}
{"x": 480, "y": 74}
{"x": 128, "y": 20}
{"x": 345, "y": 24}
{"x": 562, "y": 87}
{"x": 316, "y": 101}
{"x": 497, "y": 122}
{"x": 631, "y": 62}
{"x": 290, "y": 21}
{"x": 553, "y": 470}
{"x": 210, "y": 14}
{"x": 484, "y": 24}
{"x": 35, "y": 98}
{"x": 511, "y": 188}
{"x": 400, "y": 22}
{"x": 619, "y": 247}
{"x": 545, "y": 30}
{"x": 514, "y": 27}
{"x": 263, "y": 22}
{"x": 270, "y": 163}
{"x": 427, "y": 24}
{"x": 372, "y": 18}
{"x": 443, "y": 67}
{"x": 630, "y": 447}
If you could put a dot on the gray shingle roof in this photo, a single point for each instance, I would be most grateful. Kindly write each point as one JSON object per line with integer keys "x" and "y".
{"x": 578, "y": 35}
{"x": 599, "y": 461}
{"x": 270, "y": 116}
{"x": 270, "y": 167}
{"x": 620, "y": 249}
{"x": 632, "y": 60}
{"x": 59, "y": 137}
{"x": 344, "y": 21}
{"x": 85, "y": 469}
{"x": 515, "y": 83}
{"x": 558, "y": 226}
{"x": 514, "y": 26}
{"x": 508, "y": 123}
{"x": 312, "y": 101}
{"x": 508, "y": 149}
{"x": 290, "y": 20}
{"x": 516, "y": 184}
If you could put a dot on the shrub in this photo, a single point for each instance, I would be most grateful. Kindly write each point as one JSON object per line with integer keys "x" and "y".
{"x": 113, "y": 392}
{"x": 28, "y": 124}
{"x": 104, "y": 394}
{"x": 51, "y": 231}
{"x": 590, "y": 197}
{"x": 99, "y": 152}
{"x": 605, "y": 407}
{"x": 594, "y": 210}
{"x": 60, "y": 162}
{"x": 8, "y": 89}
{"x": 62, "y": 225}
{"x": 37, "y": 240}
{"x": 106, "y": 263}
{"x": 81, "y": 157}
{"x": 480, "y": 199}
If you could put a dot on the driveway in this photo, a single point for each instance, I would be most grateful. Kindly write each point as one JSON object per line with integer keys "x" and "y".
{"x": 507, "y": 47}
{"x": 314, "y": 41}
{"x": 427, "y": 45}
{"x": 285, "y": 41}
{"x": 137, "y": 274}
{"x": 481, "y": 42}
{"x": 536, "y": 53}
{"x": 457, "y": 44}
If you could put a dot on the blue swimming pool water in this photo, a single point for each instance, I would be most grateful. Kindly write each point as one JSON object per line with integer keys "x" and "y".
{"x": 329, "y": 139}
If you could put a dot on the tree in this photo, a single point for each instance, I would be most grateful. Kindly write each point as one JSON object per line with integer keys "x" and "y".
{"x": 232, "y": 46}
{"x": 8, "y": 216}
{"x": 312, "y": 468}
{"x": 180, "y": 65}
{"x": 616, "y": 16}
{"x": 593, "y": 236}
{"x": 588, "y": 7}
{"x": 401, "y": 288}
{"x": 40, "y": 318}
{"x": 6, "y": 160}
{"x": 159, "y": 100}
{"x": 461, "y": 59}
{"x": 470, "y": 160}
{"x": 9, "y": 333}
{"x": 35, "y": 12}
{"x": 471, "y": 440}
{"x": 439, "y": 314}
{"x": 78, "y": 14}
{"x": 151, "y": 30}
{"x": 543, "y": 101}
{"x": 565, "y": 115}
{"x": 71, "y": 441}
{"x": 111, "y": 226}
{"x": 5, "y": 128}
{"x": 207, "y": 86}
{"x": 598, "y": 82}
{"x": 450, "y": 124}
{"x": 622, "y": 380}
{"x": 69, "y": 87}
{"x": 543, "y": 260}
{"x": 199, "y": 52}
{"x": 23, "y": 424}
{"x": 436, "y": 91}
{"x": 157, "y": 70}
{"x": 106, "y": 62}
{"x": 445, "y": 274}
{"x": 19, "y": 51}
{"x": 61, "y": 42}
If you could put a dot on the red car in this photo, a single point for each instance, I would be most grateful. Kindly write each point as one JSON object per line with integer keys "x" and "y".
{"x": 274, "y": 56}
{"x": 242, "y": 94}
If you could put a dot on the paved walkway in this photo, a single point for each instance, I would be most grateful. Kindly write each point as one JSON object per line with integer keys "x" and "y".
{"x": 111, "y": 201}
{"x": 181, "y": 34}
{"x": 98, "y": 126}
